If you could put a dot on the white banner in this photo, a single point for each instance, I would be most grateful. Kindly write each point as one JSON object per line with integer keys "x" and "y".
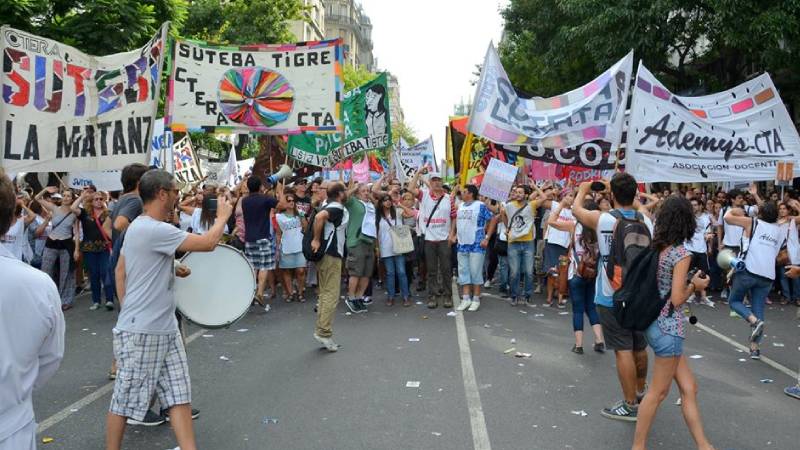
{"x": 592, "y": 112}
{"x": 64, "y": 110}
{"x": 272, "y": 89}
{"x": 160, "y": 144}
{"x": 497, "y": 180}
{"x": 187, "y": 165}
{"x": 410, "y": 159}
{"x": 736, "y": 135}
{"x": 108, "y": 180}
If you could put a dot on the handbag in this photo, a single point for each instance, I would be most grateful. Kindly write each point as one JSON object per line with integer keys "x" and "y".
{"x": 500, "y": 247}
{"x": 563, "y": 275}
{"x": 402, "y": 241}
{"x": 587, "y": 265}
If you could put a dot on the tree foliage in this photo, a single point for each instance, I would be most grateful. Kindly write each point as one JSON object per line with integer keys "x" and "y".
{"x": 242, "y": 21}
{"x": 695, "y": 46}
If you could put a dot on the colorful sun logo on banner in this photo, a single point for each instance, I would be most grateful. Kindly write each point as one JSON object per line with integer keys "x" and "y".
{"x": 255, "y": 96}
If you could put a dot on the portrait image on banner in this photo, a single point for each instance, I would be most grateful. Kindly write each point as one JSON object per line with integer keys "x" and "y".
{"x": 736, "y": 135}
{"x": 268, "y": 89}
{"x": 63, "y": 110}
{"x": 366, "y": 126}
{"x": 580, "y": 127}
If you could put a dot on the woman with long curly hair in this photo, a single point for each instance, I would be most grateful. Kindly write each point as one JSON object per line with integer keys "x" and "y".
{"x": 675, "y": 224}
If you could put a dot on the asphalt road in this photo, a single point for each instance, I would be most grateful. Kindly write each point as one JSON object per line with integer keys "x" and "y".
{"x": 279, "y": 390}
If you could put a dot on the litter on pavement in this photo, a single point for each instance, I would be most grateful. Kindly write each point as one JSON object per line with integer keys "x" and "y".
{"x": 242, "y": 330}
{"x": 208, "y": 335}
{"x": 778, "y": 344}
{"x": 412, "y": 384}
{"x": 224, "y": 358}
{"x": 522, "y": 355}
{"x": 696, "y": 357}
{"x": 269, "y": 420}
{"x": 451, "y": 314}
{"x": 581, "y": 413}
{"x": 413, "y": 339}
{"x": 47, "y": 440}
{"x": 509, "y": 350}
{"x": 767, "y": 380}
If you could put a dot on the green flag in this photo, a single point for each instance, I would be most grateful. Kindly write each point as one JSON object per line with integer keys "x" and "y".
{"x": 365, "y": 116}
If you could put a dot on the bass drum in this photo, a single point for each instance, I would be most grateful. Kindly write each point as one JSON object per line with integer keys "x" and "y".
{"x": 219, "y": 290}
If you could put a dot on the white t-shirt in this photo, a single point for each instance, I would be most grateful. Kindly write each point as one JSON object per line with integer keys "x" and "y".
{"x": 467, "y": 222}
{"x": 38, "y": 242}
{"x": 733, "y": 233}
{"x": 558, "y": 237}
{"x": 31, "y": 342}
{"x": 793, "y": 244}
{"x": 185, "y": 220}
{"x": 149, "y": 251}
{"x": 520, "y": 226}
{"x": 698, "y": 243}
{"x": 291, "y": 233}
{"x": 439, "y": 227}
{"x": 16, "y": 241}
{"x": 197, "y": 224}
{"x": 385, "y": 236}
{"x": 763, "y": 249}
{"x": 605, "y": 232}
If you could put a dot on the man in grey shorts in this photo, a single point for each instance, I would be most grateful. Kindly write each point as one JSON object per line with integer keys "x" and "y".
{"x": 147, "y": 344}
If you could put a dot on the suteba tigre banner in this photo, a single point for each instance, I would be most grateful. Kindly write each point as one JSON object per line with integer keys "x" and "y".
{"x": 736, "y": 135}
{"x": 270, "y": 89}
{"x": 64, "y": 110}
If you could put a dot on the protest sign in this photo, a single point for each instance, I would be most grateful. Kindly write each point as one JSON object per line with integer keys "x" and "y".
{"x": 160, "y": 144}
{"x": 411, "y": 159}
{"x": 365, "y": 118}
{"x": 736, "y": 135}
{"x": 497, "y": 180}
{"x": 270, "y": 89}
{"x": 187, "y": 166}
{"x": 64, "y": 110}
{"x": 108, "y": 180}
{"x": 592, "y": 112}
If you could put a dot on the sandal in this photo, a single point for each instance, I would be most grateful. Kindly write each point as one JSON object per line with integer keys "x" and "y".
{"x": 390, "y": 302}
{"x": 112, "y": 375}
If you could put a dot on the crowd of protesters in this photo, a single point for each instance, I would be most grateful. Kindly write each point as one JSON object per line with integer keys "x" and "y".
{"x": 547, "y": 238}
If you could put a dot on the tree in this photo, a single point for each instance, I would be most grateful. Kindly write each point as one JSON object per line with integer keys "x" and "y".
{"x": 97, "y": 27}
{"x": 242, "y": 21}
{"x": 354, "y": 77}
{"x": 694, "y": 46}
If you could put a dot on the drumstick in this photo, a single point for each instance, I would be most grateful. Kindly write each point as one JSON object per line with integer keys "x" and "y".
{"x": 60, "y": 180}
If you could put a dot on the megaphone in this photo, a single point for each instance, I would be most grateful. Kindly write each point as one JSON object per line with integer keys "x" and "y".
{"x": 726, "y": 260}
{"x": 283, "y": 172}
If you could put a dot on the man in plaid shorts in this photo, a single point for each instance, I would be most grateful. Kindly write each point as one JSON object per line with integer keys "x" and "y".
{"x": 147, "y": 344}
{"x": 259, "y": 245}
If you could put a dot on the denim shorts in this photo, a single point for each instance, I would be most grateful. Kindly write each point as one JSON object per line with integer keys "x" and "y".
{"x": 663, "y": 345}
{"x": 470, "y": 268}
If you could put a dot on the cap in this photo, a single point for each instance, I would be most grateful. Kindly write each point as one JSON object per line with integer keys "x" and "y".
{"x": 56, "y": 196}
{"x": 434, "y": 175}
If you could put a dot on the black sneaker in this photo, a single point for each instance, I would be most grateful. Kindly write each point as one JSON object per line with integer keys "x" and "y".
{"x": 529, "y": 301}
{"x": 165, "y": 414}
{"x": 755, "y": 354}
{"x": 109, "y": 305}
{"x": 362, "y": 308}
{"x": 621, "y": 411}
{"x": 151, "y": 419}
{"x": 504, "y": 293}
{"x": 577, "y": 350}
{"x": 351, "y": 305}
{"x": 758, "y": 330}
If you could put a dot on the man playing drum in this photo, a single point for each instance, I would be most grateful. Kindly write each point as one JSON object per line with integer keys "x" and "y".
{"x": 147, "y": 344}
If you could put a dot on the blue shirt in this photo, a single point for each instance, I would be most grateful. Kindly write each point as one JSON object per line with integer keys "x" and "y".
{"x": 483, "y": 216}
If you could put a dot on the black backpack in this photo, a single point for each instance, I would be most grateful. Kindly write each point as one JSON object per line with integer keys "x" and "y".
{"x": 638, "y": 303}
{"x": 308, "y": 236}
{"x": 629, "y": 238}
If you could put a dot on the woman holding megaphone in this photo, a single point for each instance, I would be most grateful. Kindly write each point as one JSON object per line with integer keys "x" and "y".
{"x": 761, "y": 242}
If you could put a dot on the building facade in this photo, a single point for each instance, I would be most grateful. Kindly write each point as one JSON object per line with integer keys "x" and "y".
{"x": 313, "y": 28}
{"x": 395, "y": 110}
{"x": 346, "y": 19}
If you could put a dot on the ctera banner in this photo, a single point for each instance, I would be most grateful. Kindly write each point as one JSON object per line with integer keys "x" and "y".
{"x": 269, "y": 89}
{"x": 736, "y": 135}
{"x": 64, "y": 110}
{"x": 365, "y": 118}
{"x": 593, "y": 112}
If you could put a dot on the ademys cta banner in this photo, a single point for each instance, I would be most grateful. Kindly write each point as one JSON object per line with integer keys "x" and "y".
{"x": 591, "y": 113}
{"x": 736, "y": 135}
{"x": 270, "y": 89}
{"x": 64, "y": 110}
{"x": 365, "y": 117}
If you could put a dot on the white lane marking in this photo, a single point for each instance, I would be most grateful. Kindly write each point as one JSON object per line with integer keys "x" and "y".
{"x": 480, "y": 436}
{"x": 90, "y": 398}
{"x": 768, "y": 361}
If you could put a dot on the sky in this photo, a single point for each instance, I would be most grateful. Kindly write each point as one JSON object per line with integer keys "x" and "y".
{"x": 432, "y": 47}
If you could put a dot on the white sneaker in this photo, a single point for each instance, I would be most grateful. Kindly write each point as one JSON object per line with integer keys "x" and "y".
{"x": 474, "y": 306}
{"x": 706, "y": 302}
{"x": 94, "y": 307}
{"x": 724, "y": 293}
{"x": 488, "y": 284}
{"x": 463, "y": 305}
{"x": 267, "y": 307}
{"x": 690, "y": 299}
{"x": 327, "y": 342}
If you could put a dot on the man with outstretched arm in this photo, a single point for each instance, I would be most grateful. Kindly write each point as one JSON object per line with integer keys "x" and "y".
{"x": 147, "y": 344}
{"x": 630, "y": 347}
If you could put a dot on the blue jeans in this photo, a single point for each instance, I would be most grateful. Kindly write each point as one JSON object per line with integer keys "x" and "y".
{"x": 581, "y": 294}
{"x": 758, "y": 288}
{"x": 790, "y": 287}
{"x": 99, "y": 275}
{"x": 396, "y": 269}
{"x": 502, "y": 272}
{"x": 520, "y": 260}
